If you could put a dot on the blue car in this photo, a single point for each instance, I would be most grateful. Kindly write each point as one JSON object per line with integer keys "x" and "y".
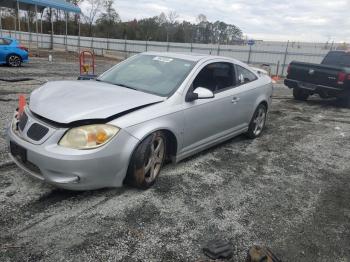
{"x": 12, "y": 52}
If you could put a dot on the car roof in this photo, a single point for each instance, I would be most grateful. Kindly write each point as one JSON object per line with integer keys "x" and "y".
{"x": 195, "y": 57}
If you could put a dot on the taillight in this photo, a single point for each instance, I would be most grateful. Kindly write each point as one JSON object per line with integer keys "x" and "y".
{"x": 288, "y": 69}
{"x": 23, "y": 48}
{"x": 341, "y": 78}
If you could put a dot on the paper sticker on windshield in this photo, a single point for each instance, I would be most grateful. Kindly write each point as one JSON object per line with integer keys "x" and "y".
{"x": 163, "y": 59}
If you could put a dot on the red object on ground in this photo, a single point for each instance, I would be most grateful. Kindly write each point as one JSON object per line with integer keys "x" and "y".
{"x": 87, "y": 63}
{"x": 275, "y": 79}
{"x": 21, "y": 104}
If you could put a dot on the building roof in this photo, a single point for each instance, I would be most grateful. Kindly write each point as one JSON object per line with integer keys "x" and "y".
{"x": 41, "y": 4}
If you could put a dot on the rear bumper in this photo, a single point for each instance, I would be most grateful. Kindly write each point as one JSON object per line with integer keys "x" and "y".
{"x": 312, "y": 87}
{"x": 25, "y": 58}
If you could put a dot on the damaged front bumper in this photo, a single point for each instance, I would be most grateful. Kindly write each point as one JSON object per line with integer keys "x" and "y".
{"x": 71, "y": 168}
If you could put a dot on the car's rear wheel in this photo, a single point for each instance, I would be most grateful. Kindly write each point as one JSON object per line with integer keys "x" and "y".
{"x": 300, "y": 94}
{"x": 258, "y": 122}
{"x": 146, "y": 161}
{"x": 14, "y": 60}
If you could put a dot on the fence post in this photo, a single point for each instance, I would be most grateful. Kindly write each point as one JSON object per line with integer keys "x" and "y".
{"x": 191, "y": 46}
{"x": 125, "y": 49}
{"x": 0, "y": 21}
{"x": 79, "y": 32}
{"x": 66, "y": 36}
{"x": 285, "y": 59}
{"x": 249, "y": 54}
{"x": 277, "y": 67}
{"x": 218, "y": 51}
{"x": 167, "y": 48}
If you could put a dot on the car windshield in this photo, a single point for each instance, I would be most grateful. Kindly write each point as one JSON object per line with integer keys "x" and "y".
{"x": 154, "y": 74}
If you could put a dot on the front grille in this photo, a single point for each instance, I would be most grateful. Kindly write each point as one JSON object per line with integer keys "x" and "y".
{"x": 37, "y": 132}
{"x": 23, "y": 119}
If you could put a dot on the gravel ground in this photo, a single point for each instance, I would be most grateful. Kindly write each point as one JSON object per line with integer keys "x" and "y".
{"x": 288, "y": 190}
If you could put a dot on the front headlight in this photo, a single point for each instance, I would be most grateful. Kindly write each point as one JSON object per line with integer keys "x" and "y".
{"x": 88, "y": 137}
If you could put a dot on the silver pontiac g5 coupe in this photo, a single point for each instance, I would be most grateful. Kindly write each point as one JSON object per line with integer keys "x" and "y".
{"x": 150, "y": 108}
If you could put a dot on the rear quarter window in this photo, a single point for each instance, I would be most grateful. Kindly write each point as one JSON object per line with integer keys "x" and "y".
{"x": 244, "y": 75}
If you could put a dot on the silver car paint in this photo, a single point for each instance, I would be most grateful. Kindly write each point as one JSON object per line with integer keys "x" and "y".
{"x": 96, "y": 168}
{"x": 196, "y": 125}
{"x": 69, "y": 101}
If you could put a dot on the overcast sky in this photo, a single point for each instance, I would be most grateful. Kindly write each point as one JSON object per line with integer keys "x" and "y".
{"x": 299, "y": 20}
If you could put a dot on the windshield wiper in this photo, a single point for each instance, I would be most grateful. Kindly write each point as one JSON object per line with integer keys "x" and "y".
{"x": 123, "y": 85}
{"x": 117, "y": 84}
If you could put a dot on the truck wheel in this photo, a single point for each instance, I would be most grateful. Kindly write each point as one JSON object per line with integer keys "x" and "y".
{"x": 344, "y": 100}
{"x": 300, "y": 94}
{"x": 146, "y": 161}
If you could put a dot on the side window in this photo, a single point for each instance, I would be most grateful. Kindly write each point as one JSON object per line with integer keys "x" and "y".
{"x": 7, "y": 41}
{"x": 216, "y": 77}
{"x": 244, "y": 75}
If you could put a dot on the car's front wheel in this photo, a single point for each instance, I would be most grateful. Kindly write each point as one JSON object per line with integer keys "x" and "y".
{"x": 14, "y": 60}
{"x": 146, "y": 161}
{"x": 258, "y": 122}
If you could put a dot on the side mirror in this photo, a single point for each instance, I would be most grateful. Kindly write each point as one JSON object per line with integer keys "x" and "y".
{"x": 241, "y": 79}
{"x": 199, "y": 93}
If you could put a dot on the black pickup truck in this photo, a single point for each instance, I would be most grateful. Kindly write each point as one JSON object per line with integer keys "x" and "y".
{"x": 331, "y": 78}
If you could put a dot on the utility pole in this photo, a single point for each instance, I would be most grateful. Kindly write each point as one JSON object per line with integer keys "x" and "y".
{"x": 19, "y": 21}
{"x": 285, "y": 58}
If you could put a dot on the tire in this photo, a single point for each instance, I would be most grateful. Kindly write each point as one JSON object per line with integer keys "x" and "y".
{"x": 344, "y": 100}
{"x": 147, "y": 161}
{"x": 300, "y": 94}
{"x": 258, "y": 122}
{"x": 14, "y": 60}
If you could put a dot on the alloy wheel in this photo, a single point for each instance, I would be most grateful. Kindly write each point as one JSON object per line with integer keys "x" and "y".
{"x": 14, "y": 61}
{"x": 154, "y": 163}
{"x": 259, "y": 121}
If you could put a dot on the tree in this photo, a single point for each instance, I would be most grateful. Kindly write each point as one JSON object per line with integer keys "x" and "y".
{"x": 92, "y": 10}
{"x": 108, "y": 20}
{"x": 172, "y": 17}
{"x": 76, "y": 16}
{"x": 201, "y": 18}
{"x": 102, "y": 19}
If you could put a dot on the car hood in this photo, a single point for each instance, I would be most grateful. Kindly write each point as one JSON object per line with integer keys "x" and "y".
{"x": 69, "y": 101}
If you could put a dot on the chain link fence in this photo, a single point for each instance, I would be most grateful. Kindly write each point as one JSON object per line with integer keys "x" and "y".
{"x": 275, "y": 56}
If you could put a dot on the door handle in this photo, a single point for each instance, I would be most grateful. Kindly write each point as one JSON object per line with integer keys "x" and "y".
{"x": 235, "y": 100}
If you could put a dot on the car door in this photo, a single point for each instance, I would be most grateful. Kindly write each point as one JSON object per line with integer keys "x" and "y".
{"x": 245, "y": 93}
{"x": 209, "y": 120}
